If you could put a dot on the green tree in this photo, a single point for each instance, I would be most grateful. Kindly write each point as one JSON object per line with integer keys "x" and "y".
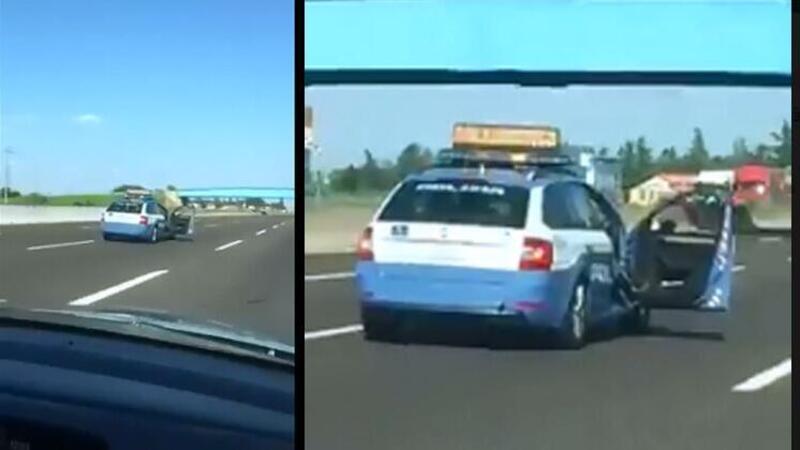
{"x": 344, "y": 180}
{"x": 741, "y": 153}
{"x": 37, "y": 199}
{"x": 644, "y": 160}
{"x": 764, "y": 154}
{"x": 697, "y": 157}
{"x": 370, "y": 173}
{"x": 11, "y": 192}
{"x": 668, "y": 160}
{"x": 413, "y": 159}
{"x": 782, "y": 150}
{"x": 627, "y": 159}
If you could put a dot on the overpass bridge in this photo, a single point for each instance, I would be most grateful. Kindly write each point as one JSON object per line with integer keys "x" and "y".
{"x": 237, "y": 194}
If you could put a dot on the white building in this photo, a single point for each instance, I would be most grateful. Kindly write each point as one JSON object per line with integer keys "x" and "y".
{"x": 716, "y": 177}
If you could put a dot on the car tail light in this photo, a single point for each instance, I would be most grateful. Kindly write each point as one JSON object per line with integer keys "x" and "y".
{"x": 537, "y": 254}
{"x": 142, "y": 220}
{"x": 364, "y": 246}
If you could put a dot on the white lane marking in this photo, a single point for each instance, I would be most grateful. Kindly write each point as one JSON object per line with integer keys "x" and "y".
{"x": 789, "y": 259}
{"x": 63, "y": 244}
{"x": 739, "y": 268}
{"x": 330, "y": 276}
{"x": 260, "y": 232}
{"x": 212, "y": 225}
{"x": 770, "y": 239}
{"x": 97, "y": 296}
{"x": 765, "y": 378}
{"x": 275, "y": 226}
{"x": 333, "y": 332}
{"x": 2, "y": 300}
{"x": 228, "y": 245}
{"x": 88, "y": 227}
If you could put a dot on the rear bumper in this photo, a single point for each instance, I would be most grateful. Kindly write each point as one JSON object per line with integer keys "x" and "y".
{"x": 451, "y": 323}
{"x": 127, "y": 230}
{"x": 461, "y": 295}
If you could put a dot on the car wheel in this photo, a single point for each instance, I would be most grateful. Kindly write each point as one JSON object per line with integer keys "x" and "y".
{"x": 638, "y": 320}
{"x": 572, "y": 334}
{"x": 106, "y": 237}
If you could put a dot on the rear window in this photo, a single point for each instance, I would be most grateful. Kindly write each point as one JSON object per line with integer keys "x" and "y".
{"x": 459, "y": 202}
{"x": 125, "y": 207}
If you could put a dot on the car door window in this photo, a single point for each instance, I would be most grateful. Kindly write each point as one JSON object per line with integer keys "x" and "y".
{"x": 588, "y": 212}
{"x": 152, "y": 209}
{"x": 562, "y": 208}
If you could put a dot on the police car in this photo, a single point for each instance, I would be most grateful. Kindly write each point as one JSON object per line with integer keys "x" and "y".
{"x": 497, "y": 239}
{"x": 140, "y": 216}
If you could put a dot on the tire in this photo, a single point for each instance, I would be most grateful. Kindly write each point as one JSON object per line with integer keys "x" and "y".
{"x": 106, "y": 237}
{"x": 573, "y": 330}
{"x": 637, "y": 321}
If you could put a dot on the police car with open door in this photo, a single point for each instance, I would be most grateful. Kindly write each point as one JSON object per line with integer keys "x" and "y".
{"x": 510, "y": 239}
{"x": 140, "y": 216}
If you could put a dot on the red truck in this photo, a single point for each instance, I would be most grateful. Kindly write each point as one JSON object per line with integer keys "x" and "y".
{"x": 756, "y": 183}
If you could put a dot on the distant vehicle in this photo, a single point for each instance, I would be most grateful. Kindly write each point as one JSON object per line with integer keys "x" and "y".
{"x": 755, "y": 183}
{"x": 140, "y": 216}
{"x": 490, "y": 239}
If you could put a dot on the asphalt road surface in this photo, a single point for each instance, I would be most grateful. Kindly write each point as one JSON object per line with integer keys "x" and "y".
{"x": 697, "y": 381}
{"x": 248, "y": 284}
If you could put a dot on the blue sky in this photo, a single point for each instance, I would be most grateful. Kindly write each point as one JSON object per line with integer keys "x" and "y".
{"x": 195, "y": 93}
{"x": 739, "y": 35}
{"x": 384, "y": 119}
{"x": 693, "y": 35}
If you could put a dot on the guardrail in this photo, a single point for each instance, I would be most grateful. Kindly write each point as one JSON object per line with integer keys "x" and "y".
{"x": 18, "y": 214}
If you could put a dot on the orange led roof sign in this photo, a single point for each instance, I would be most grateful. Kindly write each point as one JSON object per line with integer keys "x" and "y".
{"x": 511, "y": 137}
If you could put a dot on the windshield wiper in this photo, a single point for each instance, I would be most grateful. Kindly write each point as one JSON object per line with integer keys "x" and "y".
{"x": 217, "y": 332}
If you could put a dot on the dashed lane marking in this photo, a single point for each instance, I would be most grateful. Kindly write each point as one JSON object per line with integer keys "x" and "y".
{"x": 105, "y": 293}
{"x": 63, "y": 244}
{"x": 260, "y": 232}
{"x": 228, "y": 245}
{"x": 763, "y": 379}
{"x": 331, "y": 332}
{"x": 330, "y": 276}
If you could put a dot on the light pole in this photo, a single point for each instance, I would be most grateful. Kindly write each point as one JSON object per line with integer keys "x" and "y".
{"x": 7, "y": 172}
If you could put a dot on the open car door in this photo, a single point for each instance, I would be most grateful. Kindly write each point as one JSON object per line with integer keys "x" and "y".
{"x": 681, "y": 255}
{"x": 182, "y": 222}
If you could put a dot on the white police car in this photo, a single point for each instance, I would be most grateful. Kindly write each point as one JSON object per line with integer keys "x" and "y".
{"x": 141, "y": 217}
{"x": 535, "y": 249}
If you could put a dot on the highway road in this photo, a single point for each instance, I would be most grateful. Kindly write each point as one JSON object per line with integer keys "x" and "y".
{"x": 237, "y": 270}
{"x": 695, "y": 382}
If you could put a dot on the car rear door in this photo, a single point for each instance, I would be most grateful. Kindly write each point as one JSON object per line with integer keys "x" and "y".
{"x": 455, "y": 223}
{"x": 451, "y": 244}
{"x": 124, "y": 213}
{"x": 157, "y": 216}
{"x": 681, "y": 255}
{"x": 580, "y": 241}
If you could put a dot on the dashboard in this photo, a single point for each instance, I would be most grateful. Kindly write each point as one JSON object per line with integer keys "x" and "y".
{"x": 68, "y": 388}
